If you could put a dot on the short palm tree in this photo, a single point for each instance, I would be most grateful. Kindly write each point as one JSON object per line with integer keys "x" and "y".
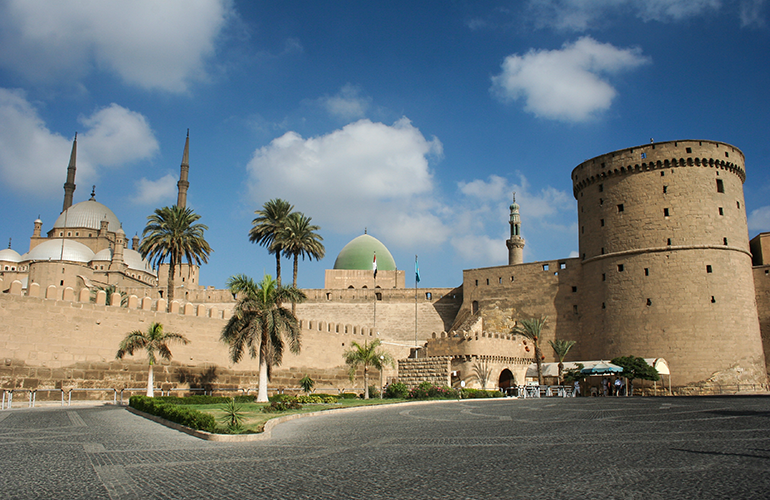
{"x": 259, "y": 323}
{"x": 268, "y": 226}
{"x": 173, "y": 233}
{"x": 531, "y": 329}
{"x": 152, "y": 341}
{"x": 366, "y": 355}
{"x": 561, "y": 348}
{"x": 299, "y": 239}
{"x": 481, "y": 372}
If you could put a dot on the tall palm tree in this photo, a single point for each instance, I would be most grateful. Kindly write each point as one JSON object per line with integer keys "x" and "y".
{"x": 152, "y": 341}
{"x": 531, "y": 329}
{"x": 259, "y": 323}
{"x": 268, "y": 226}
{"x": 173, "y": 233}
{"x": 561, "y": 348}
{"x": 366, "y": 355}
{"x": 299, "y": 238}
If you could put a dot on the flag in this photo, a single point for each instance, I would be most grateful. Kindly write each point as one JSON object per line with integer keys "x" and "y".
{"x": 374, "y": 265}
{"x": 416, "y": 270}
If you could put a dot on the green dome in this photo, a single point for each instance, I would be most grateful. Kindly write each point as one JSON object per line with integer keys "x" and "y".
{"x": 359, "y": 254}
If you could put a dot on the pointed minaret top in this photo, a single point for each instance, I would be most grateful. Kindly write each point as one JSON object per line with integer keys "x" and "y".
{"x": 183, "y": 184}
{"x": 93, "y": 193}
{"x": 69, "y": 186}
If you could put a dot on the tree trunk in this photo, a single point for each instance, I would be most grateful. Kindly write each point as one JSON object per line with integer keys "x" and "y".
{"x": 150, "y": 383}
{"x": 170, "y": 287}
{"x": 561, "y": 368}
{"x": 539, "y": 361}
{"x": 262, "y": 392}
{"x": 366, "y": 381}
{"x": 278, "y": 267}
{"x": 294, "y": 283}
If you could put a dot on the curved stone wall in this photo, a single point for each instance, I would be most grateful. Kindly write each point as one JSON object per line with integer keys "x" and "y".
{"x": 666, "y": 263}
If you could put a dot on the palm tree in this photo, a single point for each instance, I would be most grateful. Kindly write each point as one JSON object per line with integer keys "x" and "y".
{"x": 531, "y": 329}
{"x": 561, "y": 348}
{"x": 172, "y": 232}
{"x": 366, "y": 355}
{"x": 481, "y": 373}
{"x": 268, "y": 226}
{"x": 299, "y": 238}
{"x": 259, "y": 323}
{"x": 152, "y": 341}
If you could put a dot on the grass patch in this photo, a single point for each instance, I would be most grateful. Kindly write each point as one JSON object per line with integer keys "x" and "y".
{"x": 254, "y": 419}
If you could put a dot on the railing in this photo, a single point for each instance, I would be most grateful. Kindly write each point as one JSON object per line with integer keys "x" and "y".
{"x": 546, "y": 391}
{"x": 114, "y": 394}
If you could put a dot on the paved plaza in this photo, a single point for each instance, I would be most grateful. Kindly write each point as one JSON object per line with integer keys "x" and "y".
{"x": 603, "y": 448}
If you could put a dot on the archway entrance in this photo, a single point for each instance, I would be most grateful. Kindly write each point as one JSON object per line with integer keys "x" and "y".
{"x": 507, "y": 381}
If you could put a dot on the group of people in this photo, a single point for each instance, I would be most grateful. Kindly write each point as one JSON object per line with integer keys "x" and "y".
{"x": 617, "y": 388}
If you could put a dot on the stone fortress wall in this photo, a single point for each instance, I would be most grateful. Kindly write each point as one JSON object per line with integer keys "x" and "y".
{"x": 57, "y": 338}
{"x": 666, "y": 264}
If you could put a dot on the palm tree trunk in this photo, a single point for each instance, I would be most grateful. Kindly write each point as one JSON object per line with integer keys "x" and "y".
{"x": 278, "y": 267}
{"x": 366, "y": 381}
{"x": 561, "y": 368}
{"x": 539, "y": 361}
{"x": 294, "y": 283}
{"x": 262, "y": 391}
{"x": 170, "y": 287}
{"x": 150, "y": 383}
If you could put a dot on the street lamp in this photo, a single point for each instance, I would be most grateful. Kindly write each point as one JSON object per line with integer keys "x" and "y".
{"x": 382, "y": 373}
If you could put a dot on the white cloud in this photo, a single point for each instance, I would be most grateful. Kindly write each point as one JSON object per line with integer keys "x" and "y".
{"x": 348, "y": 104}
{"x": 581, "y": 15}
{"x": 568, "y": 84}
{"x": 751, "y": 13}
{"x": 759, "y": 219}
{"x": 33, "y": 159}
{"x": 155, "y": 192}
{"x": 366, "y": 174}
{"x": 149, "y": 44}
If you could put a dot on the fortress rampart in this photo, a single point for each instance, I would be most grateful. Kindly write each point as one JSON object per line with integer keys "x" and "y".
{"x": 666, "y": 267}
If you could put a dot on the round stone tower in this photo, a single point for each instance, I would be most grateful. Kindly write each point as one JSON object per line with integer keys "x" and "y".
{"x": 666, "y": 263}
{"x": 516, "y": 243}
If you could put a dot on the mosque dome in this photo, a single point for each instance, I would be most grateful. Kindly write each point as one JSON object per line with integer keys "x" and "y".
{"x": 359, "y": 254}
{"x": 59, "y": 249}
{"x": 90, "y": 214}
{"x": 9, "y": 255}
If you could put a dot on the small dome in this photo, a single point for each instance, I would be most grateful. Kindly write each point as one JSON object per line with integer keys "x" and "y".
{"x": 134, "y": 260}
{"x": 359, "y": 254}
{"x": 90, "y": 214}
{"x": 103, "y": 255}
{"x": 9, "y": 255}
{"x": 59, "y": 249}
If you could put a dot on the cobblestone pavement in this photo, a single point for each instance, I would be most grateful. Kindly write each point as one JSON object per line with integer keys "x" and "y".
{"x": 603, "y": 448}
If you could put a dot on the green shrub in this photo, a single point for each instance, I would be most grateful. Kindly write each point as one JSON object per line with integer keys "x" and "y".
{"x": 205, "y": 400}
{"x": 479, "y": 393}
{"x": 397, "y": 390}
{"x": 279, "y": 406}
{"x": 426, "y": 390}
{"x": 233, "y": 415}
{"x": 348, "y": 395}
{"x": 174, "y": 412}
{"x": 373, "y": 392}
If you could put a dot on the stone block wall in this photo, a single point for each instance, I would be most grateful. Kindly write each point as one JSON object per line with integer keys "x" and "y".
{"x": 436, "y": 370}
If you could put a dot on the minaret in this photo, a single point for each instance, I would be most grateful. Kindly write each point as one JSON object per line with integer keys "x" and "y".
{"x": 69, "y": 186}
{"x": 183, "y": 184}
{"x": 117, "y": 263}
{"x": 516, "y": 243}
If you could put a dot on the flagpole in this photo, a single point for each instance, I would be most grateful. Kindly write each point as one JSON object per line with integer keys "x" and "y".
{"x": 374, "y": 268}
{"x": 416, "y": 279}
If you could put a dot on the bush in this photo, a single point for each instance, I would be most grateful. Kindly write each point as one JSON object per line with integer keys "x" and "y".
{"x": 426, "y": 390}
{"x": 348, "y": 395}
{"x": 205, "y": 400}
{"x": 373, "y": 392}
{"x": 279, "y": 406}
{"x": 479, "y": 393}
{"x": 397, "y": 390}
{"x": 175, "y": 413}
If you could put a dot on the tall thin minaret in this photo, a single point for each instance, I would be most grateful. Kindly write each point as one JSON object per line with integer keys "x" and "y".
{"x": 183, "y": 184}
{"x": 516, "y": 243}
{"x": 69, "y": 186}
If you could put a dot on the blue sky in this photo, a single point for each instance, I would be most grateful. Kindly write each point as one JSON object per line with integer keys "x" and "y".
{"x": 415, "y": 120}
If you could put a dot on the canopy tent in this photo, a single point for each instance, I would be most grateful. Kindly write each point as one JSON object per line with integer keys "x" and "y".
{"x": 552, "y": 369}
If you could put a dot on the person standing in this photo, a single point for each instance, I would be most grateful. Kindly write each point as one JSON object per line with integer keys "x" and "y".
{"x": 605, "y": 382}
{"x": 618, "y": 386}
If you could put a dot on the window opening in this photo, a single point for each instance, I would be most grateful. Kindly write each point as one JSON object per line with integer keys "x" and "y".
{"x": 668, "y": 242}
{"x": 720, "y": 186}
{"x": 604, "y": 277}
{"x": 708, "y": 268}
{"x": 649, "y": 302}
{"x": 601, "y": 187}
{"x": 574, "y": 289}
{"x": 665, "y": 189}
{"x": 620, "y": 208}
{"x": 713, "y": 299}
{"x": 721, "y": 211}
{"x": 620, "y": 268}
{"x": 725, "y": 241}
{"x": 665, "y": 212}
{"x": 562, "y": 265}
{"x": 646, "y": 271}
{"x": 689, "y": 150}
{"x": 545, "y": 267}
{"x": 602, "y": 222}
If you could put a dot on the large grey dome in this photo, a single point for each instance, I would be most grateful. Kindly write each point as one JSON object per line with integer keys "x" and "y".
{"x": 59, "y": 249}
{"x": 90, "y": 214}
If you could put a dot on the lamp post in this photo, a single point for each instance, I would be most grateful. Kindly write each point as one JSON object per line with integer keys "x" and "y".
{"x": 382, "y": 375}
